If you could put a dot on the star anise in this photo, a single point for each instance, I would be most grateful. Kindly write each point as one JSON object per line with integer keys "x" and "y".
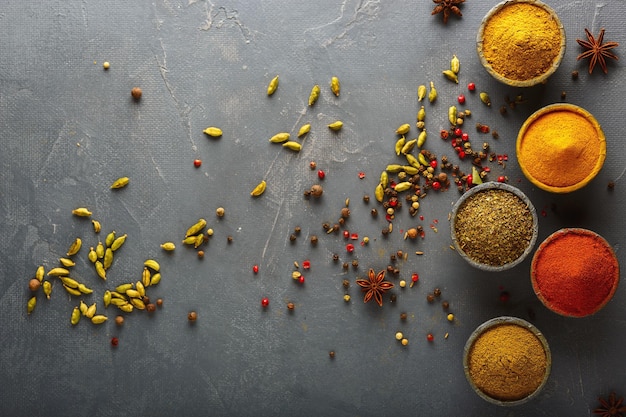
{"x": 611, "y": 407}
{"x": 446, "y": 7}
{"x": 374, "y": 286}
{"x": 596, "y": 50}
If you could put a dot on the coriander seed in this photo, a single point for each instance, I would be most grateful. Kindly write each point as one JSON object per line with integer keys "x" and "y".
{"x": 192, "y": 316}
{"x": 290, "y": 306}
{"x": 34, "y": 284}
{"x": 220, "y": 212}
{"x": 136, "y": 93}
{"x": 159, "y": 302}
{"x": 119, "y": 320}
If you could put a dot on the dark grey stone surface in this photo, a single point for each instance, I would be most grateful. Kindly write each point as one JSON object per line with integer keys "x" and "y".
{"x": 69, "y": 129}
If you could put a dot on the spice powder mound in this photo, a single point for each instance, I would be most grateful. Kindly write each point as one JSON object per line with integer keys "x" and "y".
{"x": 521, "y": 41}
{"x": 493, "y": 227}
{"x": 507, "y": 362}
{"x": 575, "y": 274}
{"x": 560, "y": 148}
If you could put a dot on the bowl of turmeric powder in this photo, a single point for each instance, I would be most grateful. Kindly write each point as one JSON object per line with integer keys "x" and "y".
{"x": 507, "y": 361}
{"x": 561, "y": 148}
{"x": 574, "y": 272}
{"x": 521, "y": 42}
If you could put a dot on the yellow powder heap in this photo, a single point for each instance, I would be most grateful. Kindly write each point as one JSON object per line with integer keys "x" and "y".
{"x": 521, "y": 41}
{"x": 560, "y": 149}
{"x": 507, "y": 362}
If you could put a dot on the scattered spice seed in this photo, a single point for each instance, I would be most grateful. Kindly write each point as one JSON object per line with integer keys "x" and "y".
{"x": 346, "y": 298}
{"x": 159, "y": 302}
{"x": 314, "y": 240}
{"x": 437, "y": 292}
{"x": 136, "y": 93}
{"x": 316, "y": 190}
{"x": 290, "y": 306}
{"x": 430, "y": 298}
{"x": 399, "y": 336}
{"x": 403, "y": 316}
{"x": 114, "y": 341}
{"x": 150, "y": 307}
{"x": 106, "y": 65}
{"x": 220, "y": 212}
{"x": 119, "y": 320}
{"x": 430, "y": 337}
{"x": 34, "y": 284}
{"x": 404, "y": 342}
{"x": 265, "y": 302}
{"x": 445, "y": 305}
{"x": 450, "y": 317}
{"x": 200, "y": 254}
{"x": 197, "y": 163}
{"x": 192, "y": 316}
{"x": 255, "y": 269}
{"x": 331, "y": 354}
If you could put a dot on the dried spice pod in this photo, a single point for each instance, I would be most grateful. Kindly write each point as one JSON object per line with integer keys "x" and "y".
{"x": 335, "y": 86}
{"x": 337, "y": 125}
{"x": 214, "y": 132}
{"x": 81, "y": 212}
{"x": 259, "y": 189}
{"x": 315, "y": 94}
{"x": 280, "y": 137}
{"x": 152, "y": 264}
{"x": 120, "y": 183}
{"x": 118, "y": 242}
{"x": 272, "y": 86}
{"x": 304, "y": 129}
{"x": 195, "y": 228}
{"x": 294, "y": 146}
{"x": 168, "y": 246}
{"x": 403, "y": 129}
{"x": 421, "y": 92}
{"x": 96, "y": 226}
{"x": 74, "y": 247}
{"x": 31, "y": 304}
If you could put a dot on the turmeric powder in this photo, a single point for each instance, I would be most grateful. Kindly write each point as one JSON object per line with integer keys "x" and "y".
{"x": 521, "y": 41}
{"x": 561, "y": 148}
{"x": 507, "y": 362}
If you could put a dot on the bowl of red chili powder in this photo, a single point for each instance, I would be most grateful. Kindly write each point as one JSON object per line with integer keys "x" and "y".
{"x": 574, "y": 272}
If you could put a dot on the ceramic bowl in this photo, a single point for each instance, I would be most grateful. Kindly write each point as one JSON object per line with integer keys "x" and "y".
{"x": 491, "y": 324}
{"x": 557, "y": 295}
{"x": 513, "y": 48}
{"x": 541, "y": 156}
{"x": 485, "y": 187}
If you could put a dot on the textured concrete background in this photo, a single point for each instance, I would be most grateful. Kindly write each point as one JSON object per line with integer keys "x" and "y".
{"x": 69, "y": 128}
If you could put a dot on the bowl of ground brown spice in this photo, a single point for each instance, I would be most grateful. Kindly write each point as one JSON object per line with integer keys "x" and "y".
{"x": 521, "y": 42}
{"x": 493, "y": 226}
{"x": 507, "y": 361}
{"x": 561, "y": 148}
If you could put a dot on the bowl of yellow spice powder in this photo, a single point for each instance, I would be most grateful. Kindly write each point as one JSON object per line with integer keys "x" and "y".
{"x": 507, "y": 361}
{"x": 493, "y": 226}
{"x": 521, "y": 42}
{"x": 561, "y": 148}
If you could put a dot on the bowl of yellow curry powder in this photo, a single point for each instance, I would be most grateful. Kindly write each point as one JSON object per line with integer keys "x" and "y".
{"x": 493, "y": 226}
{"x": 561, "y": 148}
{"x": 521, "y": 42}
{"x": 507, "y": 361}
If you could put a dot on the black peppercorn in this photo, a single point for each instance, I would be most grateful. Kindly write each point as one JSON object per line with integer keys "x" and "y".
{"x": 403, "y": 316}
{"x": 445, "y": 305}
{"x": 374, "y": 212}
{"x": 437, "y": 292}
{"x": 335, "y": 257}
{"x": 366, "y": 198}
{"x": 430, "y": 298}
{"x": 314, "y": 240}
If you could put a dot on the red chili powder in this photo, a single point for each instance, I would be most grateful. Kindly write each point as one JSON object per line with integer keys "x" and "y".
{"x": 575, "y": 273}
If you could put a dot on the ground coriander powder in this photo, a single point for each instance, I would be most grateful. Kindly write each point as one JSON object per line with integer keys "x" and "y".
{"x": 493, "y": 227}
